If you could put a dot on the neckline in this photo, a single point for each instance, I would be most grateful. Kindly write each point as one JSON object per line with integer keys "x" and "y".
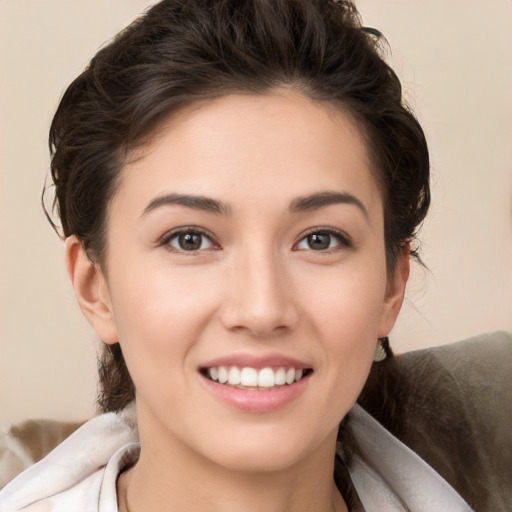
{"x": 122, "y": 460}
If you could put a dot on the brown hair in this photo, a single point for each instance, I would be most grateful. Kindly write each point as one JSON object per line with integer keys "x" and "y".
{"x": 181, "y": 51}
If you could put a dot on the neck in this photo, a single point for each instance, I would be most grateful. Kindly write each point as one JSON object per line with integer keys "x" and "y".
{"x": 168, "y": 479}
{"x": 249, "y": 493}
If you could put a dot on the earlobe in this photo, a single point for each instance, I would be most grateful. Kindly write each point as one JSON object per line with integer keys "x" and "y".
{"x": 91, "y": 290}
{"x": 395, "y": 292}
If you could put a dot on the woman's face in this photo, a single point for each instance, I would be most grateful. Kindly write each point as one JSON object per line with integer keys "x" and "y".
{"x": 248, "y": 238}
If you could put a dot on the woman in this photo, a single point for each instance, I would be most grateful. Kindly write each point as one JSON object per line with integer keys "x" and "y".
{"x": 239, "y": 185}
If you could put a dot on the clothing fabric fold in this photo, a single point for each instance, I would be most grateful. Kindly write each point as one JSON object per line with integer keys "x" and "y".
{"x": 81, "y": 473}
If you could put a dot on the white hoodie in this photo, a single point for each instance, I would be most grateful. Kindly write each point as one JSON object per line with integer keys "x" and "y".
{"x": 81, "y": 473}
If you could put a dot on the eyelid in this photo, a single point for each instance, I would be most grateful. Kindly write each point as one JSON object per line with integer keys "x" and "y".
{"x": 172, "y": 233}
{"x": 345, "y": 240}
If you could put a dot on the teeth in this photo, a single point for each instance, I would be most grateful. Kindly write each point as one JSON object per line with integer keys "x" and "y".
{"x": 234, "y": 376}
{"x": 252, "y": 378}
{"x": 223, "y": 374}
{"x": 249, "y": 377}
{"x": 280, "y": 377}
{"x": 266, "y": 378}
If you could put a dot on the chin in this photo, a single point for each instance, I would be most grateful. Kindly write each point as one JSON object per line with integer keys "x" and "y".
{"x": 260, "y": 453}
{"x": 260, "y": 461}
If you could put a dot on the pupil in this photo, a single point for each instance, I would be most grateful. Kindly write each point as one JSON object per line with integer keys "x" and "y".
{"x": 190, "y": 241}
{"x": 318, "y": 241}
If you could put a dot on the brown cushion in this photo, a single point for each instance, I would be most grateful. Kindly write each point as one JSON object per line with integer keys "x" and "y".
{"x": 28, "y": 442}
{"x": 453, "y": 406}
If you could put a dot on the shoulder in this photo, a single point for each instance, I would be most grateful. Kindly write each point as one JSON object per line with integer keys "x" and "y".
{"x": 451, "y": 405}
{"x": 76, "y": 472}
{"x": 84, "y": 494}
{"x": 388, "y": 476}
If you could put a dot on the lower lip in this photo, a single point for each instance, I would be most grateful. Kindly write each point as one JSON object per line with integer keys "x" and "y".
{"x": 250, "y": 400}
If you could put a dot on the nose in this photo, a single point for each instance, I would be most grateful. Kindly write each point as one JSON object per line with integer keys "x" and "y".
{"x": 259, "y": 295}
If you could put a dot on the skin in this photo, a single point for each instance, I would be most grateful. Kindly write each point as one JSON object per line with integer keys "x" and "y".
{"x": 255, "y": 287}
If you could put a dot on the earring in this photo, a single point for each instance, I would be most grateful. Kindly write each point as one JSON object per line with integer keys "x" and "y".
{"x": 382, "y": 350}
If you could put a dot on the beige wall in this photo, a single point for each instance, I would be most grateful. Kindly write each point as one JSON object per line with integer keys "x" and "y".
{"x": 454, "y": 58}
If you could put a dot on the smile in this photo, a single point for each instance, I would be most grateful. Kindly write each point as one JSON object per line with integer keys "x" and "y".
{"x": 265, "y": 379}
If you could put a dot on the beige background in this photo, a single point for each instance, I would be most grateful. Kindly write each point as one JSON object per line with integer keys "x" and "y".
{"x": 454, "y": 58}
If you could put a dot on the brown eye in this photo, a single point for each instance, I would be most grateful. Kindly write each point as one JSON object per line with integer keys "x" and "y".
{"x": 323, "y": 240}
{"x": 190, "y": 241}
{"x": 319, "y": 241}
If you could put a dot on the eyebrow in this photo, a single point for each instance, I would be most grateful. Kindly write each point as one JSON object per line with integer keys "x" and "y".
{"x": 301, "y": 204}
{"x": 322, "y": 199}
{"x": 195, "y": 202}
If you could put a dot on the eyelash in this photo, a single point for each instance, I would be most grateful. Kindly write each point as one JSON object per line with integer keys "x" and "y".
{"x": 344, "y": 241}
{"x": 191, "y": 230}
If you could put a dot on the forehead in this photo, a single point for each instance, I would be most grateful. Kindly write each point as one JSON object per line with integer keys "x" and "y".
{"x": 252, "y": 148}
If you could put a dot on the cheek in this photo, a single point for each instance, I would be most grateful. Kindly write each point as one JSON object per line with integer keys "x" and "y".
{"x": 348, "y": 329}
{"x": 347, "y": 305}
{"x": 160, "y": 314}
{"x": 345, "y": 315}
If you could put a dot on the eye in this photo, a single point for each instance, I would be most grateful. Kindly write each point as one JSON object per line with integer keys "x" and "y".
{"x": 189, "y": 240}
{"x": 323, "y": 240}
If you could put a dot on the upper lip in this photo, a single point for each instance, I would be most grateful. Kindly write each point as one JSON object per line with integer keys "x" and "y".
{"x": 257, "y": 361}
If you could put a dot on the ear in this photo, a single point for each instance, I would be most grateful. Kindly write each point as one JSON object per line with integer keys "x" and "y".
{"x": 91, "y": 290}
{"x": 395, "y": 292}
